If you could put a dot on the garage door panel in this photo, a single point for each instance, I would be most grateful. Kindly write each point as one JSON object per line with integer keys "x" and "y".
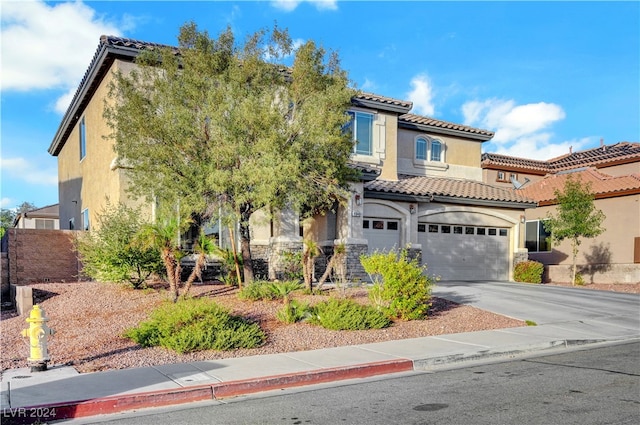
{"x": 466, "y": 255}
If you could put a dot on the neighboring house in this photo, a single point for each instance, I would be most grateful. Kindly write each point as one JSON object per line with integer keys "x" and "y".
{"x": 613, "y": 172}
{"x": 421, "y": 185}
{"x": 38, "y": 218}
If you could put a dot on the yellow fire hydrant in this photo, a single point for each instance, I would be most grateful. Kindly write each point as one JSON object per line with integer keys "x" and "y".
{"x": 38, "y": 334}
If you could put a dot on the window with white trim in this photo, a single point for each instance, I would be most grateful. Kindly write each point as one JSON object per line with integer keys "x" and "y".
{"x": 428, "y": 149}
{"x": 536, "y": 237}
{"x": 361, "y": 127}
{"x": 44, "y": 223}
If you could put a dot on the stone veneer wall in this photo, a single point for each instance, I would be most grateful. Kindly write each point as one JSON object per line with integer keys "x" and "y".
{"x": 355, "y": 271}
{"x": 37, "y": 255}
{"x": 260, "y": 257}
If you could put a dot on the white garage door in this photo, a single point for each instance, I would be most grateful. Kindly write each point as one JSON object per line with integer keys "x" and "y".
{"x": 382, "y": 234}
{"x": 457, "y": 252}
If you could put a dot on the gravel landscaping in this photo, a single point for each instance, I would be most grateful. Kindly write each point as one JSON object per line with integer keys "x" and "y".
{"x": 89, "y": 319}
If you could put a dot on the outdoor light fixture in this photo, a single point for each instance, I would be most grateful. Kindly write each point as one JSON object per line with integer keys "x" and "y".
{"x": 358, "y": 199}
{"x": 412, "y": 209}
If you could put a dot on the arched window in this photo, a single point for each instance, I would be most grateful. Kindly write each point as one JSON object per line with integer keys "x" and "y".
{"x": 436, "y": 150}
{"x": 421, "y": 149}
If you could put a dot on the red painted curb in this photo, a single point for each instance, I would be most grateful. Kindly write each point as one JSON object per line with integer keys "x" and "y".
{"x": 115, "y": 404}
{"x": 101, "y": 406}
{"x": 249, "y": 386}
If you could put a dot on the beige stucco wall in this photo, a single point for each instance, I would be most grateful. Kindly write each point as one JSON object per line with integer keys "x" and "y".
{"x": 89, "y": 182}
{"x": 622, "y": 169}
{"x": 461, "y": 156}
{"x": 614, "y": 246}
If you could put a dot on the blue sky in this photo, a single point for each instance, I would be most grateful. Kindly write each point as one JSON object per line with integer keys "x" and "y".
{"x": 543, "y": 75}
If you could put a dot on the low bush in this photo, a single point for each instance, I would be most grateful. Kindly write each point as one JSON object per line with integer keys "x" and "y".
{"x": 264, "y": 290}
{"x": 401, "y": 288}
{"x": 344, "y": 314}
{"x": 293, "y": 311}
{"x": 528, "y": 271}
{"x": 196, "y": 324}
{"x": 257, "y": 290}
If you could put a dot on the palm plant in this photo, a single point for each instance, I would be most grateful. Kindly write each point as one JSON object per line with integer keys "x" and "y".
{"x": 203, "y": 247}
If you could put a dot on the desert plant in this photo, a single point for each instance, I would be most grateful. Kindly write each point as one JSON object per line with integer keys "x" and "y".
{"x": 335, "y": 265}
{"x": 309, "y": 254}
{"x": 528, "y": 271}
{"x": 204, "y": 246}
{"x": 345, "y": 314}
{"x": 257, "y": 290}
{"x": 292, "y": 265}
{"x": 281, "y": 290}
{"x": 401, "y": 288}
{"x": 293, "y": 311}
{"x": 196, "y": 324}
{"x": 108, "y": 252}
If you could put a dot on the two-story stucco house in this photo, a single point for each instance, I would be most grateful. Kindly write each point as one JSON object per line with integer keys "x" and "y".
{"x": 421, "y": 186}
{"x": 613, "y": 173}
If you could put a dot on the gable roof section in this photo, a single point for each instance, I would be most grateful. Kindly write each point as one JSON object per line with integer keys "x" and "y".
{"x": 448, "y": 190}
{"x": 602, "y": 156}
{"x": 418, "y": 122}
{"x": 109, "y": 49}
{"x": 602, "y": 185}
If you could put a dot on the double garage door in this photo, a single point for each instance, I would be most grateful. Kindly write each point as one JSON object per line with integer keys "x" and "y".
{"x": 457, "y": 252}
{"x": 453, "y": 252}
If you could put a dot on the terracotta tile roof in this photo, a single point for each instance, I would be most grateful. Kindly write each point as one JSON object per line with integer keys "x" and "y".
{"x": 412, "y": 119}
{"x": 494, "y": 159}
{"x": 384, "y": 100}
{"x": 447, "y": 188}
{"x": 602, "y": 185}
{"x": 605, "y": 155}
{"x": 623, "y": 151}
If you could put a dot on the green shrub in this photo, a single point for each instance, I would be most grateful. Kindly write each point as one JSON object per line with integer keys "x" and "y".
{"x": 196, "y": 324}
{"x": 401, "y": 288}
{"x": 109, "y": 253}
{"x": 293, "y": 311}
{"x": 528, "y": 271}
{"x": 579, "y": 279}
{"x": 292, "y": 265}
{"x": 264, "y": 290}
{"x": 281, "y": 290}
{"x": 257, "y": 290}
{"x": 344, "y": 314}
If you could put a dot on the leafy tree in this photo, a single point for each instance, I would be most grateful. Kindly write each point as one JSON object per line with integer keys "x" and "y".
{"x": 576, "y": 217}
{"x": 109, "y": 252}
{"x": 216, "y": 123}
{"x": 7, "y": 216}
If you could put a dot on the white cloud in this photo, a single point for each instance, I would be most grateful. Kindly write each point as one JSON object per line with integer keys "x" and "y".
{"x": 369, "y": 85}
{"x": 291, "y": 5}
{"x": 6, "y": 202}
{"x": 521, "y": 130}
{"x": 422, "y": 95}
{"x": 49, "y": 46}
{"x": 21, "y": 169}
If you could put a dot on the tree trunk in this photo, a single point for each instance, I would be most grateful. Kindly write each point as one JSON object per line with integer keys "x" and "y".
{"x": 245, "y": 243}
{"x": 170, "y": 265}
{"x": 196, "y": 272}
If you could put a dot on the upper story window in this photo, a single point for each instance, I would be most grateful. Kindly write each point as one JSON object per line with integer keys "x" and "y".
{"x": 83, "y": 139}
{"x": 361, "y": 127}
{"x": 43, "y": 223}
{"x": 421, "y": 149}
{"x": 436, "y": 150}
{"x": 536, "y": 237}
{"x": 428, "y": 149}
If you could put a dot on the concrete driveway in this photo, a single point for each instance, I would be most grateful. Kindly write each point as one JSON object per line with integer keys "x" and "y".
{"x": 545, "y": 304}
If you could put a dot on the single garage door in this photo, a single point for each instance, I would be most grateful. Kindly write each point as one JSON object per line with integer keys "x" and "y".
{"x": 382, "y": 234}
{"x": 461, "y": 252}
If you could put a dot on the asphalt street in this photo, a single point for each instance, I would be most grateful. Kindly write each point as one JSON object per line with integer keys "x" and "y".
{"x": 592, "y": 386}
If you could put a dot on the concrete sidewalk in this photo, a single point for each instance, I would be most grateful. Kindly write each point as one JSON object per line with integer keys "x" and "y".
{"x": 61, "y": 392}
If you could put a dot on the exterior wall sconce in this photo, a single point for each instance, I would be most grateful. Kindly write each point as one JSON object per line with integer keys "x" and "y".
{"x": 522, "y": 219}
{"x": 358, "y": 199}
{"x": 412, "y": 209}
